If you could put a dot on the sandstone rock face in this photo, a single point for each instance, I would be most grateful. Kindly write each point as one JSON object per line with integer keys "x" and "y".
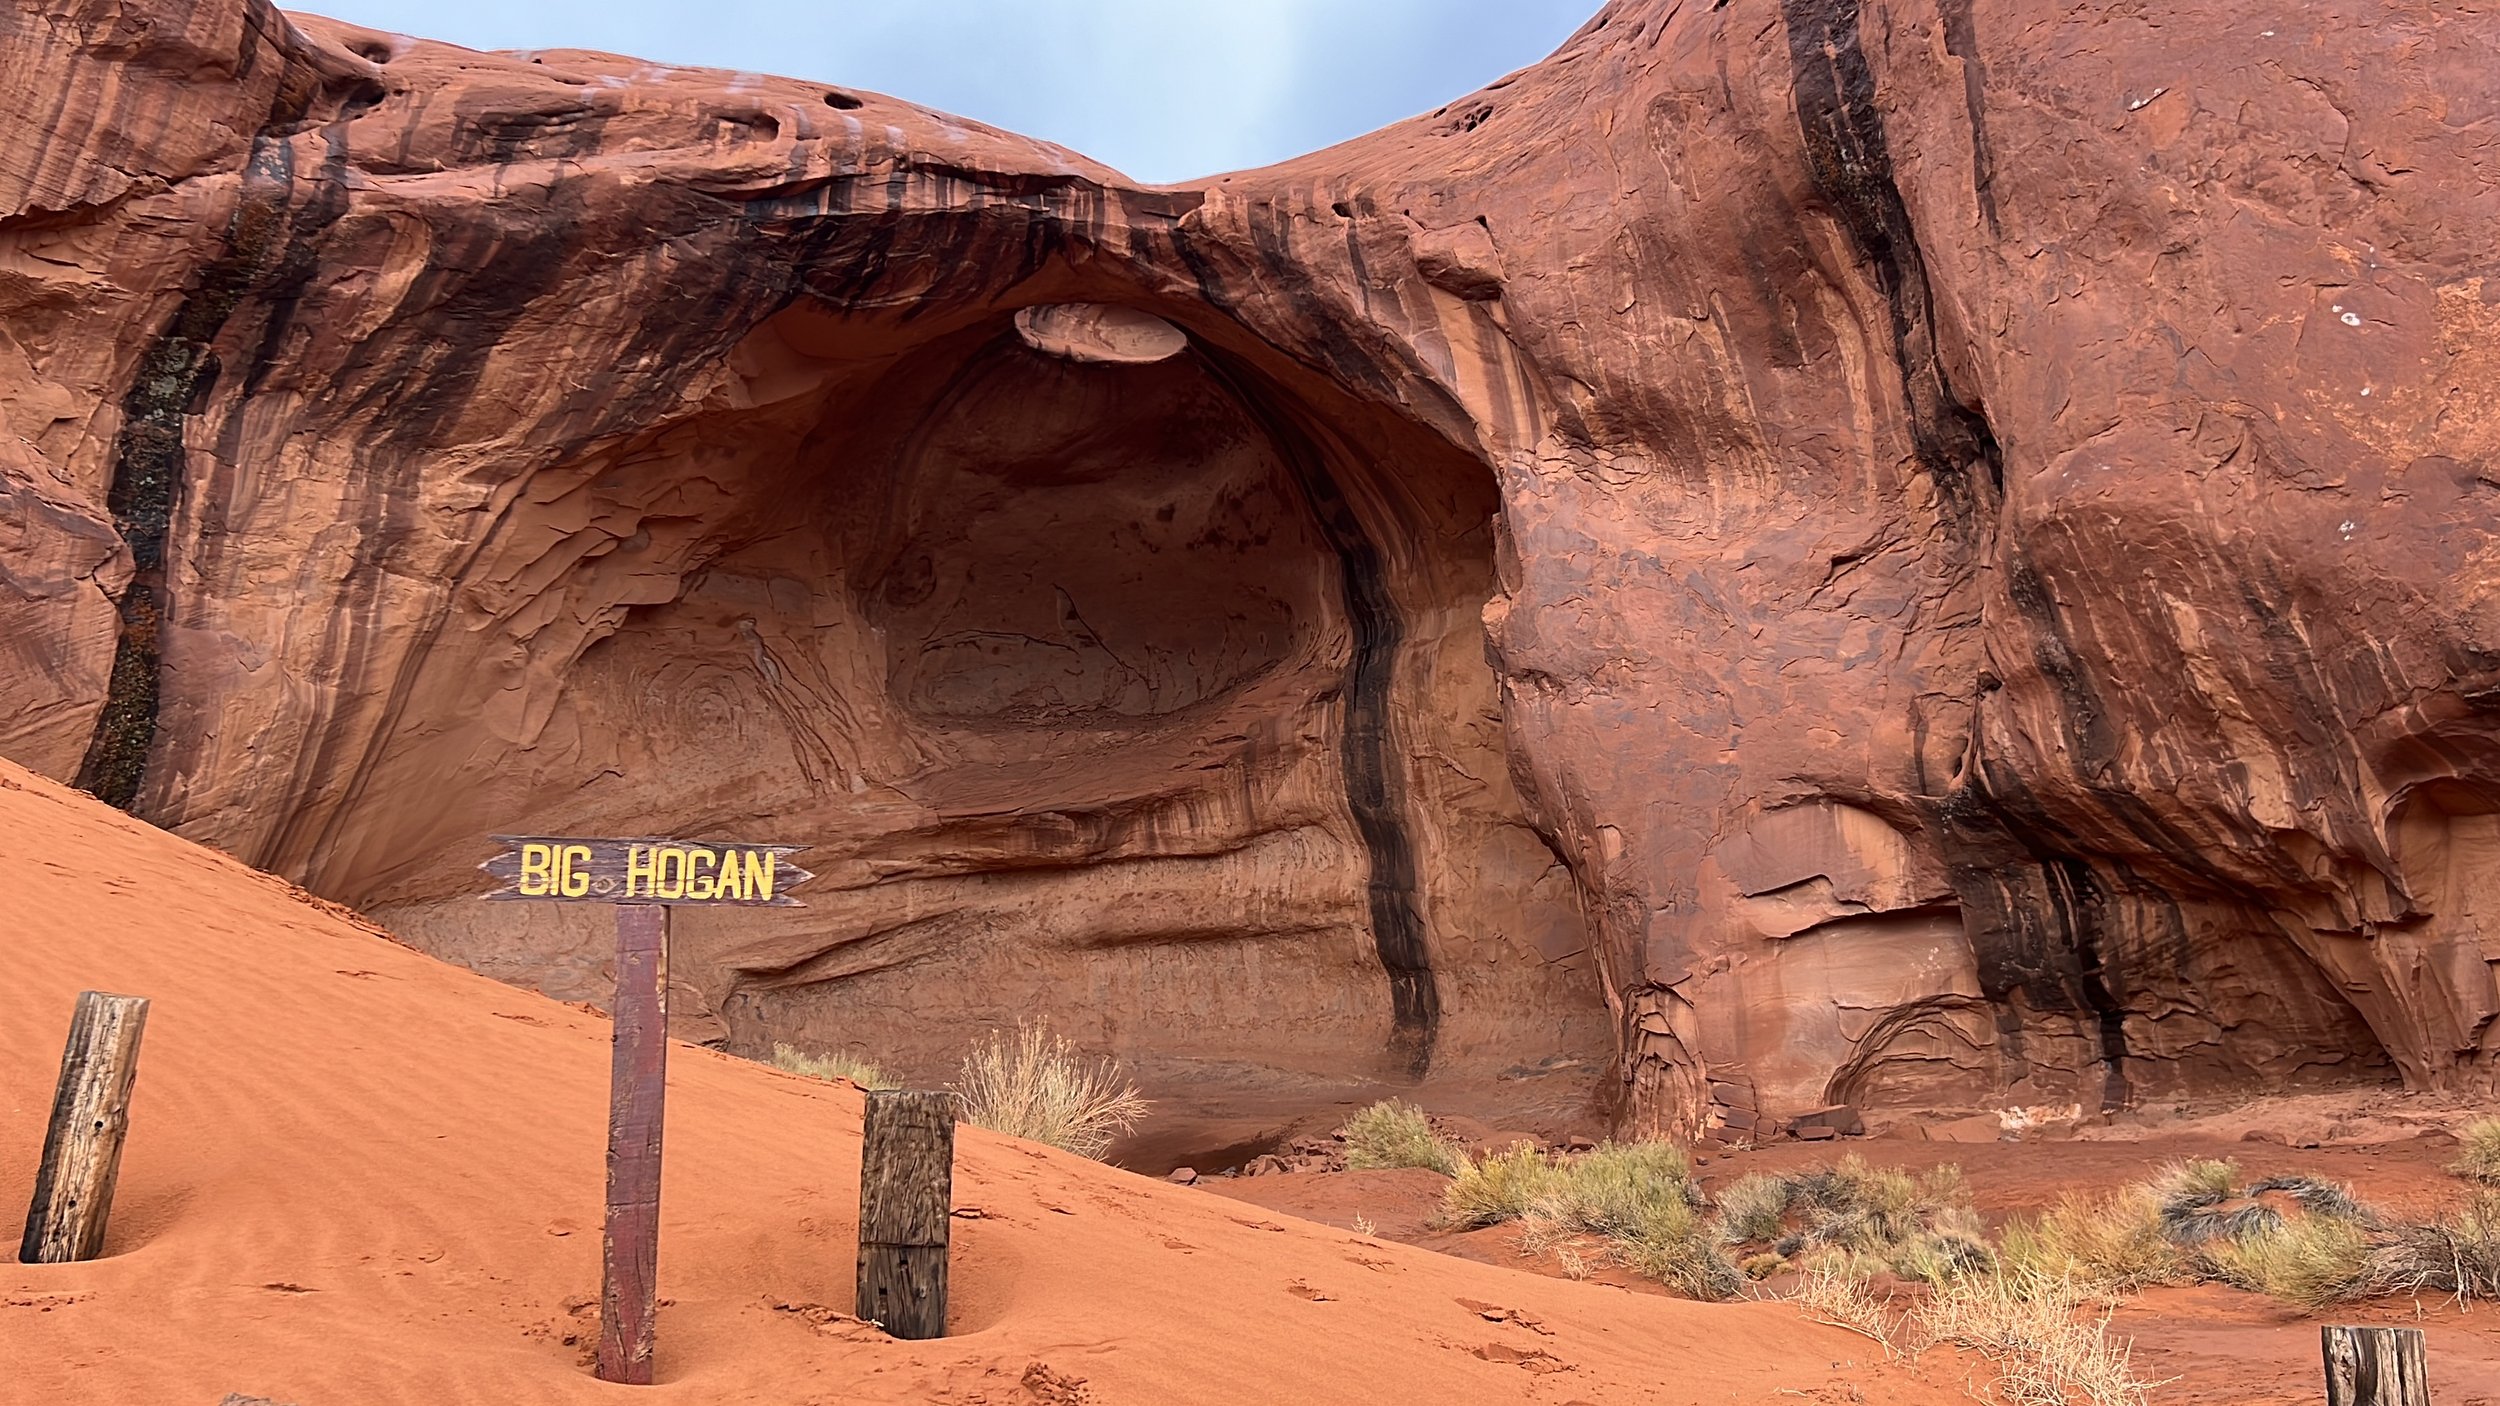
{"x": 1799, "y": 552}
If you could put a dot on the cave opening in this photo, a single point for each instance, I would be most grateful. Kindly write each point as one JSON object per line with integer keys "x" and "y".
{"x": 1141, "y": 689}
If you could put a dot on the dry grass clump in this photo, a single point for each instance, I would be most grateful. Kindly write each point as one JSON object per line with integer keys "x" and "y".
{"x": 1921, "y": 1227}
{"x": 2048, "y": 1350}
{"x": 2293, "y": 1236}
{"x": 1498, "y": 1187}
{"x": 2047, "y": 1347}
{"x": 837, "y": 1065}
{"x": 2324, "y": 1259}
{"x": 1394, "y": 1134}
{"x": 2313, "y": 1261}
{"x": 1618, "y": 1187}
{"x": 2301, "y": 1239}
{"x": 1677, "y": 1246}
{"x": 1835, "y": 1292}
{"x": 2108, "y": 1245}
{"x": 1640, "y": 1201}
{"x": 1037, "y": 1087}
{"x": 2479, "y": 1159}
{"x": 2298, "y": 1238}
{"x": 2457, "y": 1254}
{"x": 2203, "y": 1203}
{"x": 1633, "y": 1203}
{"x": 2029, "y": 1308}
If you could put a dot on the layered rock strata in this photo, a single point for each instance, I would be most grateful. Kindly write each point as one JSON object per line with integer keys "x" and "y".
{"x": 1829, "y": 551}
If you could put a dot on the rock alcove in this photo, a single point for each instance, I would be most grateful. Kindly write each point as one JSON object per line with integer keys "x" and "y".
{"x": 1111, "y": 679}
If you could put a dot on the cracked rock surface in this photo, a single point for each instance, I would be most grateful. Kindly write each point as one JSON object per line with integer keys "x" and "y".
{"x": 1797, "y": 552}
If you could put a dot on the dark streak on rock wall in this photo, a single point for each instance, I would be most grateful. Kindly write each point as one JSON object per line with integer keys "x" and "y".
{"x": 1375, "y": 777}
{"x": 148, "y": 458}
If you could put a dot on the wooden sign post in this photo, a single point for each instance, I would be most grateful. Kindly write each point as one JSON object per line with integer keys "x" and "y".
{"x": 643, "y": 878}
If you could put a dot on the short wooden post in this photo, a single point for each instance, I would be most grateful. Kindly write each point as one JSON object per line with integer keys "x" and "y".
{"x": 2376, "y": 1367}
{"x": 82, "y": 1146}
{"x": 906, "y": 1191}
{"x": 637, "y": 1085}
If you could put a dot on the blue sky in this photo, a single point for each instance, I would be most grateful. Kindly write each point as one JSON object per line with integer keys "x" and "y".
{"x": 1165, "y": 90}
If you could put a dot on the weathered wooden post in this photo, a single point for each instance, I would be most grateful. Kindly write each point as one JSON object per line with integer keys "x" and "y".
{"x": 629, "y": 1245}
{"x": 82, "y": 1146}
{"x": 643, "y": 878}
{"x": 2376, "y": 1366}
{"x": 906, "y": 1191}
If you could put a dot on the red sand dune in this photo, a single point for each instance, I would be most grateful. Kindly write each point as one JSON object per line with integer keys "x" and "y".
{"x": 358, "y": 1176}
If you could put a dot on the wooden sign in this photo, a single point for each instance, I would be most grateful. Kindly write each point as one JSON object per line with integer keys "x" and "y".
{"x": 548, "y": 868}
{"x": 643, "y": 879}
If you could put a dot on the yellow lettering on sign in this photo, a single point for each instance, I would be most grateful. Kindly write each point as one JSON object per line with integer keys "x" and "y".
{"x": 732, "y": 881}
{"x": 573, "y": 870}
{"x": 759, "y": 868}
{"x": 537, "y": 877}
{"x": 638, "y": 865}
{"x": 668, "y": 873}
{"x": 698, "y": 882}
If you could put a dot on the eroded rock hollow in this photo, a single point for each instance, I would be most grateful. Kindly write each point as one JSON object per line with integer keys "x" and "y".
{"x": 1900, "y": 551}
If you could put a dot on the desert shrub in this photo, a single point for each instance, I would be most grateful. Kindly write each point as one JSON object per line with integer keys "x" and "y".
{"x": 1921, "y": 1227}
{"x": 2302, "y": 1239}
{"x": 1673, "y": 1243}
{"x": 2457, "y": 1254}
{"x": 1752, "y": 1207}
{"x": 1956, "y": 1245}
{"x": 2479, "y": 1159}
{"x": 1394, "y": 1134}
{"x": 2202, "y": 1202}
{"x": 1639, "y": 1203}
{"x": 2115, "y": 1244}
{"x": 1036, "y": 1086}
{"x": 837, "y": 1065}
{"x": 2191, "y": 1196}
{"x": 1619, "y": 1187}
{"x": 2047, "y": 1350}
{"x": 1499, "y": 1187}
{"x": 2312, "y": 1261}
{"x": 2332, "y": 1256}
{"x": 1837, "y": 1293}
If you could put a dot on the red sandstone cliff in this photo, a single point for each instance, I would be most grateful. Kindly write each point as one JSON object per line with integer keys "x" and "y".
{"x": 1902, "y": 550}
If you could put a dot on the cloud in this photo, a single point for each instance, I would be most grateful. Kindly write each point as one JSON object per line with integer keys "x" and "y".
{"x": 1164, "y": 91}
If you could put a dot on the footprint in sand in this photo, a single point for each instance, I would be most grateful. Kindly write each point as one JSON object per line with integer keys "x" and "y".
{"x": 1533, "y": 1359}
{"x": 1495, "y": 1313}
